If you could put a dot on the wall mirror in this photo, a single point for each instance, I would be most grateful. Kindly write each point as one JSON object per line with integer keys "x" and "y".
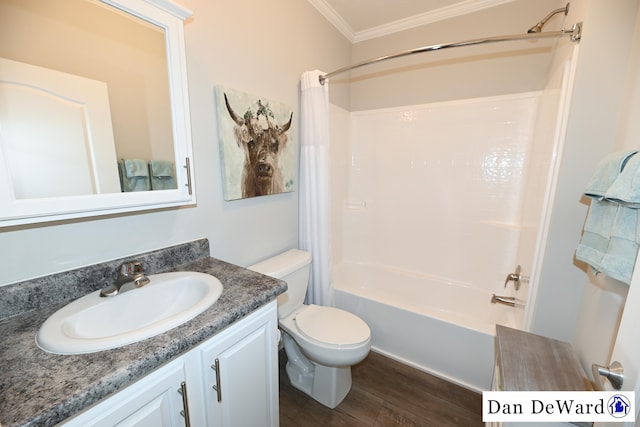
{"x": 94, "y": 115}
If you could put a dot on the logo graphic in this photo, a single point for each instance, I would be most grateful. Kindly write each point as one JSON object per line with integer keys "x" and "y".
{"x": 618, "y": 406}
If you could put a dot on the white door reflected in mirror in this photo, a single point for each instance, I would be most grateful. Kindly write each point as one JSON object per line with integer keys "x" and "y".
{"x": 71, "y": 149}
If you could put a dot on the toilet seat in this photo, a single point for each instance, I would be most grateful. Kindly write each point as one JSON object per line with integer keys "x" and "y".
{"x": 332, "y": 326}
{"x": 328, "y": 336}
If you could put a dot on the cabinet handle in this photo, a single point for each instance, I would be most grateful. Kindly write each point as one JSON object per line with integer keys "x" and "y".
{"x": 216, "y": 387}
{"x": 185, "y": 404}
{"x": 187, "y": 166}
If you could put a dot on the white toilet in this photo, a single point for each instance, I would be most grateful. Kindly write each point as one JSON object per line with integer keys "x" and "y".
{"x": 321, "y": 342}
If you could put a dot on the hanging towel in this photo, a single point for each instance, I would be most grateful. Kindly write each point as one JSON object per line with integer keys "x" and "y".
{"x": 163, "y": 175}
{"x": 134, "y": 175}
{"x": 597, "y": 231}
{"x": 606, "y": 174}
{"x": 626, "y": 189}
{"x": 620, "y": 256}
{"x": 602, "y": 212}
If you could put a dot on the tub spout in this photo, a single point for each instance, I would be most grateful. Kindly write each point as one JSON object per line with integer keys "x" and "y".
{"x": 510, "y": 301}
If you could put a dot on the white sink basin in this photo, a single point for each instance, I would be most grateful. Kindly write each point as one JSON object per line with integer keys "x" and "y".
{"x": 93, "y": 323}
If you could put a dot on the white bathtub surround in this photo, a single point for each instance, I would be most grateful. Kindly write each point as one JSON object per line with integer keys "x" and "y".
{"x": 441, "y": 202}
{"x": 315, "y": 205}
{"x": 438, "y": 188}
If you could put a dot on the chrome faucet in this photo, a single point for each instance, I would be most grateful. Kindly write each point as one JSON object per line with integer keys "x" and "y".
{"x": 516, "y": 278}
{"x": 130, "y": 272}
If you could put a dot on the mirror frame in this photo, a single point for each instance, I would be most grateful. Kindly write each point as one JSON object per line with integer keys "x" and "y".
{"x": 169, "y": 17}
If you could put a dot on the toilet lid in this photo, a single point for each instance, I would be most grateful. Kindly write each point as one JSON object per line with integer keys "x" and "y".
{"x": 332, "y": 326}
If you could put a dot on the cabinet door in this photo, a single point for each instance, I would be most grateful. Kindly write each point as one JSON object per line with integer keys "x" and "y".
{"x": 241, "y": 374}
{"x": 154, "y": 401}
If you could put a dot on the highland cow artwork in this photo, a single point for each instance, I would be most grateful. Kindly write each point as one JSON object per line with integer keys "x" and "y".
{"x": 257, "y": 148}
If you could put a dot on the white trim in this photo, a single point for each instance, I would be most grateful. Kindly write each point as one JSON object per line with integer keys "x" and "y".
{"x": 560, "y": 135}
{"x": 173, "y": 8}
{"x": 441, "y": 14}
{"x": 334, "y": 18}
{"x": 457, "y": 9}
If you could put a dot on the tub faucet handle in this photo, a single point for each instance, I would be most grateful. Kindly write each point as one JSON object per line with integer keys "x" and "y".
{"x": 514, "y": 277}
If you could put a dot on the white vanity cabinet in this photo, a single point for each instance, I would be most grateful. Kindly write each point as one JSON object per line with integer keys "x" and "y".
{"x": 247, "y": 380}
{"x": 155, "y": 400}
{"x": 240, "y": 376}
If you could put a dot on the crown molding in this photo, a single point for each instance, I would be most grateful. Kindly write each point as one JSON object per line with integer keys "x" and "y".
{"x": 334, "y": 18}
{"x": 460, "y": 8}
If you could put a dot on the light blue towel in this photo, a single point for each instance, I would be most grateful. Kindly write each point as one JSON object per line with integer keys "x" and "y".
{"x": 606, "y": 173}
{"x": 609, "y": 241}
{"x": 134, "y": 175}
{"x": 163, "y": 175}
{"x": 597, "y": 232}
{"x": 626, "y": 189}
{"x": 620, "y": 257}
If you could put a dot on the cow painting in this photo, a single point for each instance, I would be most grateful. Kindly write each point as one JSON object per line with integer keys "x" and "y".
{"x": 262, "y": 140}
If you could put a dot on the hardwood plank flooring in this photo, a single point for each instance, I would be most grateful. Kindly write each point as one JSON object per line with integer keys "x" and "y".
{"x": 384, "y": 393}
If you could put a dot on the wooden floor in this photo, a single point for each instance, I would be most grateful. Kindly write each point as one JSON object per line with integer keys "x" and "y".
{"x": 385, "y": 393}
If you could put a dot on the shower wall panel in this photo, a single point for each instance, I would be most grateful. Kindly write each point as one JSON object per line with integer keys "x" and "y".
{"x": 437, "y": 189}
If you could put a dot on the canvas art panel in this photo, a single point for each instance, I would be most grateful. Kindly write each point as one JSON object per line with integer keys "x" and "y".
{"x": 257, "y": 144}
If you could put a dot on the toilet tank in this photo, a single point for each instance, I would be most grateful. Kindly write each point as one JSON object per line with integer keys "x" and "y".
{"x": 293, "y": 267}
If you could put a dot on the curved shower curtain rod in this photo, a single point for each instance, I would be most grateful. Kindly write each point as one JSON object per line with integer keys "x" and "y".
{"x": 533, "y": 33}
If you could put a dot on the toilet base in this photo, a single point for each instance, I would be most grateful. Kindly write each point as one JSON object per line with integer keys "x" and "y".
{"x": 328, "y": 385}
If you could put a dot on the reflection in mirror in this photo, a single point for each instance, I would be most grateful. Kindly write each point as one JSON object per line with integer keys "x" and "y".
{"x": 95, "y": 81}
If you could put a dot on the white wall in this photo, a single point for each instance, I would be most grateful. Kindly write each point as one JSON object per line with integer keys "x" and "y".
{"x": 604, "y": 298}
{"x": 599, "y": 93}
{"x": 257, "y": 47}
{"x": 340, "y": 164}
{"x": 461, "y": 73}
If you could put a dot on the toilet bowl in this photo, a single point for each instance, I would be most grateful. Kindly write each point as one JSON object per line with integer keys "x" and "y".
{"x": 328, "y": 335}
{"x": 322, "y": 343}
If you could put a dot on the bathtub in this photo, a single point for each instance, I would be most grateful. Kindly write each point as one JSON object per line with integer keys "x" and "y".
{"x": 441, "y": 327}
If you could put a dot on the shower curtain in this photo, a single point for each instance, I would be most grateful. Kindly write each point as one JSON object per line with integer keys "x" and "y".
{"x": 314, "y": 205}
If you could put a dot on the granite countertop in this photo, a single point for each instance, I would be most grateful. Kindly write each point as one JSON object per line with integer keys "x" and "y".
{"x": 42, "y": 389}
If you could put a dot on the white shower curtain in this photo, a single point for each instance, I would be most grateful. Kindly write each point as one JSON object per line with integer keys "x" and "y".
{"x": 315, "y": 212}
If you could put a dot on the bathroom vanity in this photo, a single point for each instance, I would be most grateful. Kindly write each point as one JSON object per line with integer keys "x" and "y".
{"x": 162, "y": 380}
{"x": 229, "y": 380}
{"x": 529, "y": 362}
